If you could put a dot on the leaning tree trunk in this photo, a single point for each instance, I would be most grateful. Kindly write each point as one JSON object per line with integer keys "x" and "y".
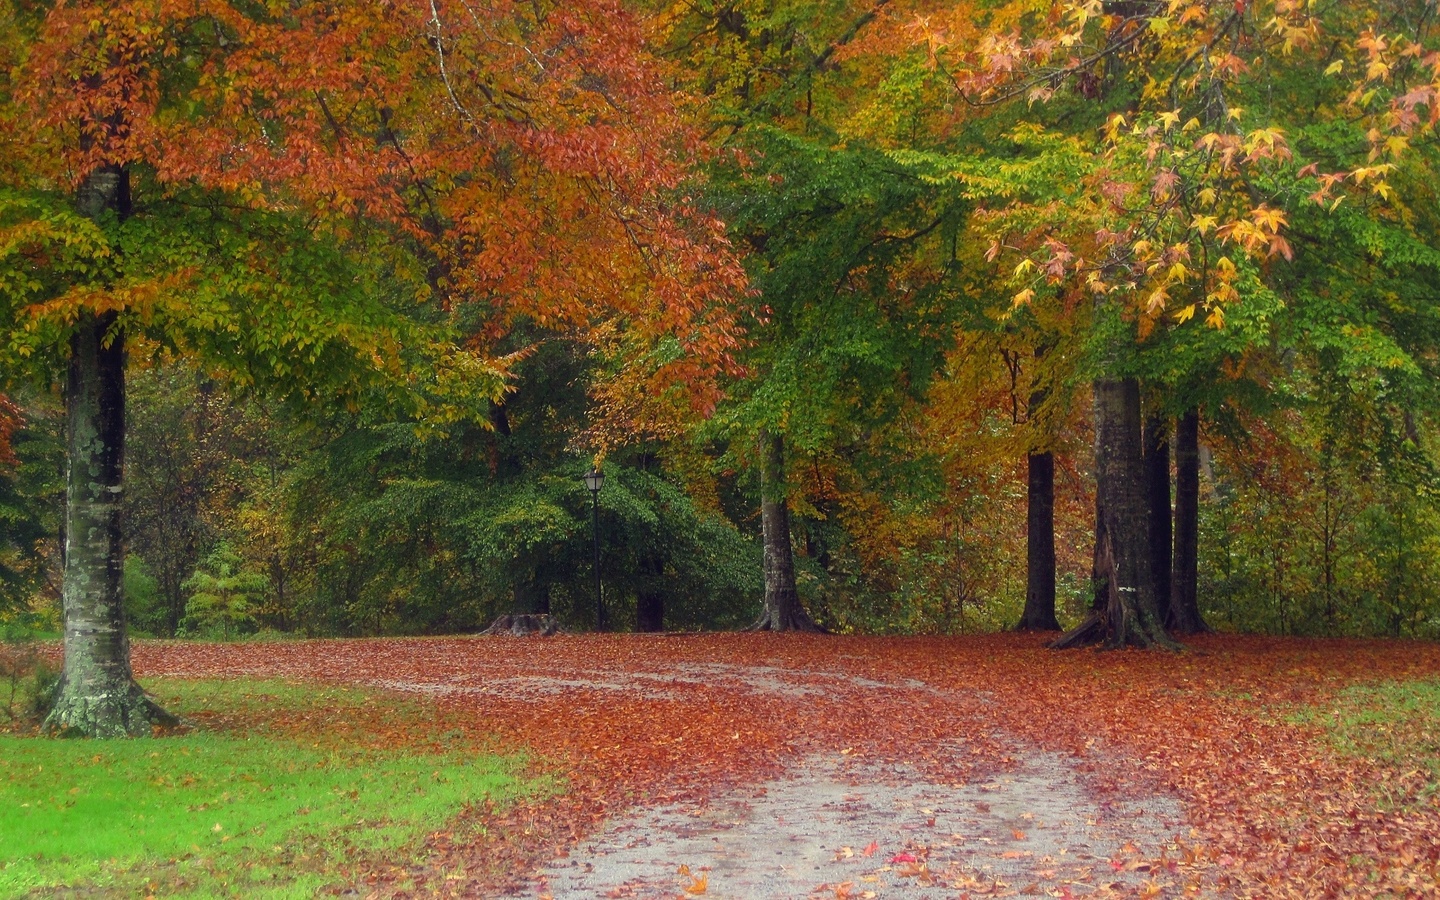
{"x": 1184, "y": 610}
{"x": 1157, "y": 496}
{"x": 782, "y": 610}
{"x": 97, "y": 695}
{"x": 1126, "y": 611}
{"x": 1039, "y": 612}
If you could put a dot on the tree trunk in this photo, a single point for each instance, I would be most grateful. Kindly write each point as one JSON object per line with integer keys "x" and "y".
{"x": 1184, "y": 612}
{"x": 1157, "y": 493}
{"x": 530, "y": 597}
{"x": 650, "y": 599}
{"x": 97, "y": 695}
{"x": 782, "y": 610}
{"x": 1126, "y": 611}
{"x": 1039, "y": 612}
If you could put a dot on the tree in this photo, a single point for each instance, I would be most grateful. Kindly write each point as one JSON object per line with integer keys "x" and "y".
{"x": 341, "y": 162}
{"x": 848, "y": 242}
{"x": 1190, "y": 194}
{"x": 1183, "y": 615}
{"x": 224, "y": 597}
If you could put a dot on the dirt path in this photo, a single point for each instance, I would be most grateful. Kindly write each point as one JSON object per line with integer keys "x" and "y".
{"x": 842, "y": 823}
{"x": 834, "y": 776}
{"x": 841, "y": 827}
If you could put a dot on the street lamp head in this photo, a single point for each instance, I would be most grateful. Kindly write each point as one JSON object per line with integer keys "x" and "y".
{"x": 594, "y": 480}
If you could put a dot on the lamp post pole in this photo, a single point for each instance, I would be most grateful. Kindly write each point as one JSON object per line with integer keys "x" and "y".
{"x": 594, "y": 480}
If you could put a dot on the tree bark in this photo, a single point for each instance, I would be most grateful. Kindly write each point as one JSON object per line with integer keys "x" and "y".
{"x": 1126, "y": 610}
{"x": 1184, "y": 609}
{"x": 782, "y": 610}
{"x": 1039, "y": 614}
{"x": 530, "y": 597}
{"x": 650, "y": 599}
{"x": 97, "y": 695}
{"x": 1157, "y": 494}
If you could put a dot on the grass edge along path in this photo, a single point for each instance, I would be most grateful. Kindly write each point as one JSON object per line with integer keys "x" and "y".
{"x": 280, "y": 788}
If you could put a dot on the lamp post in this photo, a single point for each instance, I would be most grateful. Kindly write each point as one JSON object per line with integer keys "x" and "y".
{"x": 594, "y": 480}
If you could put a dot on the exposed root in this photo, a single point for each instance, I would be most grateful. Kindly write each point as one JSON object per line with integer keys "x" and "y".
{"x": 97, "y": 713}
{"x": 1097, "y": 629}
{"x": 1091, "y": 631}
{"x": 540, "y": 624}
{"x": 796, "y": 620}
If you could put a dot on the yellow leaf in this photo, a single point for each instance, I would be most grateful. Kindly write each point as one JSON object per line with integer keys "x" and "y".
{"x": 1335, "y": 66}
{"x": 700, "y": 886}
{"x": 1184, "y": 314}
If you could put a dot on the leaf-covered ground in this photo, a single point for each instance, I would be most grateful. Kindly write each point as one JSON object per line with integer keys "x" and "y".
{"x": 1276, "y": 807}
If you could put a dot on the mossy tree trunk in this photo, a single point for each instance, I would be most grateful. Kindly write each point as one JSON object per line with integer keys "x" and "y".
{"x": 1126, "y": 611}
{"x": 97, "y": 695}
{"x": 782, "y": 610}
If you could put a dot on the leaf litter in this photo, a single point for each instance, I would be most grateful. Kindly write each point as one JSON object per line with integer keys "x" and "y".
{"x": 1237, "y": 799}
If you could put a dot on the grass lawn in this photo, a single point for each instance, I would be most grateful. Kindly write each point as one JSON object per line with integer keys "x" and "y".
{"x": 1394, "y": 724}
{"x": 277, "y": 787}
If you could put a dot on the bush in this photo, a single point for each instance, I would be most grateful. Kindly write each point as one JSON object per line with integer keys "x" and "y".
{"x": 27, "y": 679}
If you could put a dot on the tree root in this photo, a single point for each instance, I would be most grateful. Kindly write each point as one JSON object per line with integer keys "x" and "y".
{"x": 127, "y": 712}
{"x": 1091, "y": 631}
{"x": 540, "y": 624}
{"x": 1096, "y": 629}
{"x": 797, "y": 620}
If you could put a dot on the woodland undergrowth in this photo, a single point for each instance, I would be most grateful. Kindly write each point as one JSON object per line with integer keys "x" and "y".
{"x": 1275, "y": 807}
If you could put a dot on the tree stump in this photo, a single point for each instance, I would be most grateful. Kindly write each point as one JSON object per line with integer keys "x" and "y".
{"x": 524, "y": 625}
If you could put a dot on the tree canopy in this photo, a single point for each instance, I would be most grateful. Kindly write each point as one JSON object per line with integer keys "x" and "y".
{"x": 827, "y": 288}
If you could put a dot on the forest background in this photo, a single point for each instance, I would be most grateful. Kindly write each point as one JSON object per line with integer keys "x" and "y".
{"x": 899, "y": 285}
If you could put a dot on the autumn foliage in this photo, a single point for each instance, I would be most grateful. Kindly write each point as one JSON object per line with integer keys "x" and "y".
{"x": 527, "y": 161}
{"x": 10, "y": 420}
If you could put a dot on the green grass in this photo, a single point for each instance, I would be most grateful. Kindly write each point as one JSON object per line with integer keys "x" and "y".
{"x": 1394, "y": 724}
{"x": 278, "y": 786}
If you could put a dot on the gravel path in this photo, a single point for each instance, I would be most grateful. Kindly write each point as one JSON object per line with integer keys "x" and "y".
{"x": 845, "y": 827}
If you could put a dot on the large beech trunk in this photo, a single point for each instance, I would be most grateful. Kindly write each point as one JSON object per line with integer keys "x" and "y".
{"x": 1039, "y": 614}
{"x": 1157, "y": 496}
{"x": 1126, "y": 610}
{"x": 782, "y": 610}
{"x": 97, "y": 695}
{"x": 1184, "y": 612}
